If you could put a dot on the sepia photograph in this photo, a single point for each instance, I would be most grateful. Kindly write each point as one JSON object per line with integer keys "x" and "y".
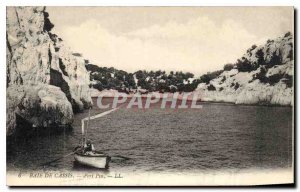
{"x": 150, "y": 96}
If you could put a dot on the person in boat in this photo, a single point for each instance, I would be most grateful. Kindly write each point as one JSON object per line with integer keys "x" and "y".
{"x": 88, "y": 147}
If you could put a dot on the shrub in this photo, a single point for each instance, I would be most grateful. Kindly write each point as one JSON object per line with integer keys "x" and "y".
{"x": 291, "y": 54}
{"x": 206, "y": 78}
{"x": 47, "y": 24}
{"x": 223, "y": 79}
{"x": 288, "y": 34}
{"x": 275, "y": 60}
{"x": 173, "y": 89}
{"x": 228, "y": 67}
{"x": 253, "y": 47}
{"x": 288, "y": 80}
{"x": 211, "y": 88}
{"x": 249, "y": 51}
{"x": 261, "y": 75}
{"x": 77, "y": 54}
{"x": 245, "y": 65}
{"x": 237, "y": 85}
{"x": 273, "y": 79}
{"x": 98, "y": 86}
{"x": 260, "y": 57}
{"x": 92, "y": 68}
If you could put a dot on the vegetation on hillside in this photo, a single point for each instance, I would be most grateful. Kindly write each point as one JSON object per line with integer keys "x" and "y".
{"x": 256, "y": 58}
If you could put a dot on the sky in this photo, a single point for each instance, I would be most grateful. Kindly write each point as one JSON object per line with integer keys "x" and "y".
{"x": 188, "y": 39}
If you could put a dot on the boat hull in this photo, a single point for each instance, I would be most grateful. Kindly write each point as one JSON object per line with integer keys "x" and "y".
{"x": 96, "y": 161}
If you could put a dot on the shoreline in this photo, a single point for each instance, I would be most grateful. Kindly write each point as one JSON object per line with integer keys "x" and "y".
{"x": 209, "y": 102}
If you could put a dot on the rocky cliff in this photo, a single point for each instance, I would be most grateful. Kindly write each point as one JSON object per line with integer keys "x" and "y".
{"x": 46, "y": 82}
{"x": 263, "y": 75}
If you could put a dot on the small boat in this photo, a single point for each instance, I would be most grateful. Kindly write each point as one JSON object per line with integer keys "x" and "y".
{"x": 93, "y": 159}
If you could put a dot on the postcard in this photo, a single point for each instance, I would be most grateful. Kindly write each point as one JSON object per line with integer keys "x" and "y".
{"x": 149, "y": 96}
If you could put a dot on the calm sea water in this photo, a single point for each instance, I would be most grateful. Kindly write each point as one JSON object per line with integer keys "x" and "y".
{"x": 218, "y": 136}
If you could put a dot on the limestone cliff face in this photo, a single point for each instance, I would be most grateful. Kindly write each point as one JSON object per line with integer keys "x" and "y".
{"x": 263, "y": 75}
{"x": 46, "y": 83}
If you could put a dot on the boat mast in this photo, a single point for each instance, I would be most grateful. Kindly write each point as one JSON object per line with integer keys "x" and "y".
{"x": 87, "y": 126}
{"x": 85, "y": 131}
{"x": 82, "y": 132}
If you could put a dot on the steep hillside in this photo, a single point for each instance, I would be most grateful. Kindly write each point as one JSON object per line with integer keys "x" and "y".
{"x": 263, "y": 75}
{"x": 46, "y": 83}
